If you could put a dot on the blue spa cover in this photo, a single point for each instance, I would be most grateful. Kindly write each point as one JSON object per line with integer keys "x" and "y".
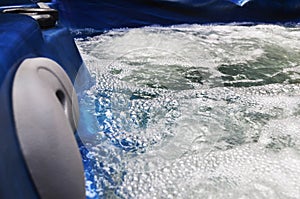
{"x": 107, "y": 14}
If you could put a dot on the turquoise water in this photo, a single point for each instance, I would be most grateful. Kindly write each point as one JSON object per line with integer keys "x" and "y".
{"x": 192, "y": 111}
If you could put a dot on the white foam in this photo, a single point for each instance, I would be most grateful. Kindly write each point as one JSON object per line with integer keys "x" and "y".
{"x": 198, "y": 112}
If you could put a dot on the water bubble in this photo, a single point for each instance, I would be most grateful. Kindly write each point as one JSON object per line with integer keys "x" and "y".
{"x": 192, "y": 112}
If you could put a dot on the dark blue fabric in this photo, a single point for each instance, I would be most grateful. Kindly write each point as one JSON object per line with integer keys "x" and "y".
{"x": 59, "y": 46}
{"x": 14, "y": 2}
{"x": 20, "y": 38}
{"x": 107, "y": 14}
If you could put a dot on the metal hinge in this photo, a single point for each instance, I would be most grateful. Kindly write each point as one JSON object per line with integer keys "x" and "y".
{"x": 44, "y": 15}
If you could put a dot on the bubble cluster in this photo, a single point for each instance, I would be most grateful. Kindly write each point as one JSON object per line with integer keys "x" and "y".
{"x": 192, "y": 111}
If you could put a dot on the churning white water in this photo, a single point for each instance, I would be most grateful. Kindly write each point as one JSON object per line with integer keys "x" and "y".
{"x": 192, "y": 111}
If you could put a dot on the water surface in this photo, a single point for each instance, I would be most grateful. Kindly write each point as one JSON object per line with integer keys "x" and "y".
{"x": 192, "y": 111}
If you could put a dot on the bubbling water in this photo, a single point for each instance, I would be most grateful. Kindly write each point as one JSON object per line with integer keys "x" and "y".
{"x": 192, "y": 111}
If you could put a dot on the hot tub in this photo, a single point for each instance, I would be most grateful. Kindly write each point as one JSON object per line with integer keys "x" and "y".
{"x": 177, "y": 99}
